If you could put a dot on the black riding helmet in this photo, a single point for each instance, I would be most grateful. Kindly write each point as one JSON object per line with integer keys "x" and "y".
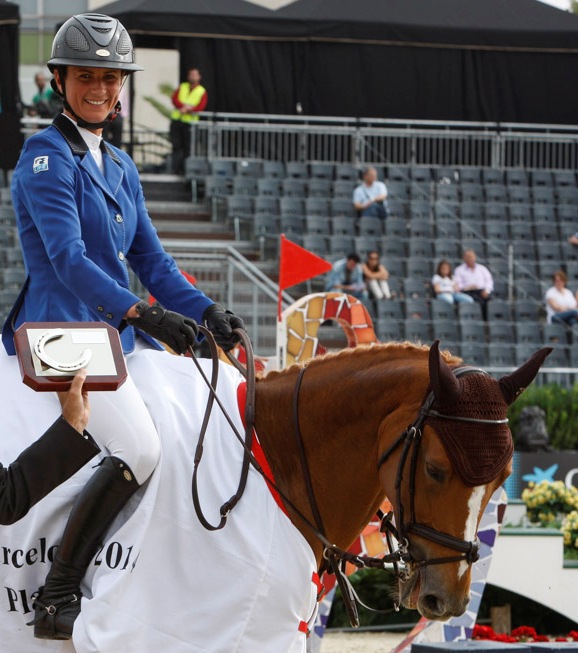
{"x": 95, "y": 41}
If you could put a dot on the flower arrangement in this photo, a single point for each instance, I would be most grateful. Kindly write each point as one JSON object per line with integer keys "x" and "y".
{"x": 570, "y": 531}
{"x": 547, "y": 503}
{"x": 520, "y": 634}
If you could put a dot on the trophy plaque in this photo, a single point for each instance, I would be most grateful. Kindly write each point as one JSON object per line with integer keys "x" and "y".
{"x": 50, "y": 353}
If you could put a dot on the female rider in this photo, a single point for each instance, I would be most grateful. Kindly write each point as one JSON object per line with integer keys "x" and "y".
{"x": 82, "y": 221}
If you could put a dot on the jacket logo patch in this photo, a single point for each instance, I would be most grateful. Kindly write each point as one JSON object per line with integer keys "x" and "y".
{"x": 40, "y": 164}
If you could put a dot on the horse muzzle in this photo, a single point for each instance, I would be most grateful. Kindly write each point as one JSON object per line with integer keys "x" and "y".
{"x": 423, "y": 591}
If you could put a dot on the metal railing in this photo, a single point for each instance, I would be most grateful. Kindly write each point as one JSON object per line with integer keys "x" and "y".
{"x": 360, "y": 141}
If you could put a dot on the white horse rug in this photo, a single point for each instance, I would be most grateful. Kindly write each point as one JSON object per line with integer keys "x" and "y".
{"x": 162, "y": 583}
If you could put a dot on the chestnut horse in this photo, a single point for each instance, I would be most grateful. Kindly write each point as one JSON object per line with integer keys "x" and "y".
{"x": 338, "y": 434}
{"x": 369, "y": 429}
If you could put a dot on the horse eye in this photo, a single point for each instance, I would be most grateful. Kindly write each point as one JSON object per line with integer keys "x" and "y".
{"x": 435, "y": 473}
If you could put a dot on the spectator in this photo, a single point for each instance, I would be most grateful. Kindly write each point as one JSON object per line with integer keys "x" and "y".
{"x": 375, "y": 276}
{"x": 573, "y": 239}
{"x": 445, "y": 286}
{"x": 475, "y": 280}
{"x": 561, "y": 303}
{"x": 369, "y": 198}
{"x": 189, "y": 98}
{"x": 45, "y": 103}
{"x": 347, "y": 276}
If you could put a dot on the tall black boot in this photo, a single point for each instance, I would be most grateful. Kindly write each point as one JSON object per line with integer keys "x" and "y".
{"x": 96, "y": 507}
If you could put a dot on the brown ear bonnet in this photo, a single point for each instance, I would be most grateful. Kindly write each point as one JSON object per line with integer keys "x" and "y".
{"x": 478, "y": 451}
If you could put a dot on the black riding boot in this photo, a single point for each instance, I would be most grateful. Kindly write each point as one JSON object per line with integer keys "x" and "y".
{"x": 96, "y": 507}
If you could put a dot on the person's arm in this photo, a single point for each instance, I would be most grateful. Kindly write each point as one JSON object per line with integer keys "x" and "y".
{"x": 202, "y": 104}
{"x": 63, "y": 449}
{"x": 381, "y": 274}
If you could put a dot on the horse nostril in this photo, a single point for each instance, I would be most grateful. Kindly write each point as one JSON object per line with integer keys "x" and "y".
{"x": 431, "y": 603}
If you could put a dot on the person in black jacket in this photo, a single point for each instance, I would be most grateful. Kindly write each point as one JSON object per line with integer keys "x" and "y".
{"x": 30, "y": 478}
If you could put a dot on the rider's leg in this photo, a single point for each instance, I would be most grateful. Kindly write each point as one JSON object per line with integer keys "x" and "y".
{"x": 120, "y": 423}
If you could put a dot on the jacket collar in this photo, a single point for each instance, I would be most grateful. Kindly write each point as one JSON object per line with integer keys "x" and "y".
{"x": 75, "y": 141}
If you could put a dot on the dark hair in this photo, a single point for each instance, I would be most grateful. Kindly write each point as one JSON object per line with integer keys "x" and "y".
{"x": 444, "y": 261}
{"x": 353, "y": 256}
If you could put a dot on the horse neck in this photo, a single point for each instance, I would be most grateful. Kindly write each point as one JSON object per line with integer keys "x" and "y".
{"x": 340, "y": 408}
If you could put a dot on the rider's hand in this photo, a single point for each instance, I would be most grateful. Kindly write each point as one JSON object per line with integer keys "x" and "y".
{"x": 221, "y": 324}
{"x": 175, "y": 330}
{"x": 74, "y": 402}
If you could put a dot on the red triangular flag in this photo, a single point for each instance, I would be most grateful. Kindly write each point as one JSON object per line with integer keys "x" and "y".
{"x": 296, "y": 264}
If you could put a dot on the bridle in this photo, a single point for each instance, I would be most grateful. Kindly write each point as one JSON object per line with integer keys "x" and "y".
{"x": 411, "y": 439}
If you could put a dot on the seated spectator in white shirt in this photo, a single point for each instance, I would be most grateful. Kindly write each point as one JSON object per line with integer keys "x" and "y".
{"x": 561, "y": 303}
{"x": 369, "y": 198}
{"x": 475, "y": 279}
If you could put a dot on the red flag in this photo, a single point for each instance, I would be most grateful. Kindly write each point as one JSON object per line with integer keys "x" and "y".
{"x": 296, "y": 264}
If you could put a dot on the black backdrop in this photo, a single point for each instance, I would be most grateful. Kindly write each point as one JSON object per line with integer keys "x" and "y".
{"x": 10, "y": 138}
{"x": 479, "y": 60}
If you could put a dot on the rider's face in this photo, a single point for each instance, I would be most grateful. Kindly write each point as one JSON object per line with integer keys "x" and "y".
{"x": 91, "y": 92}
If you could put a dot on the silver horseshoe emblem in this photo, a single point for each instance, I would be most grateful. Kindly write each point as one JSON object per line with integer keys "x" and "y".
{"x": 54, "y": 334}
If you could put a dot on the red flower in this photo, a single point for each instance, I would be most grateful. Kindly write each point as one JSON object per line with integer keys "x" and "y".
{"x": 524, "y": 631}
{"x": 483, "y": 632}
{"x": 502, "y": 637}
{"x": 573, "y": 635}
{"x": 541, "y": 638}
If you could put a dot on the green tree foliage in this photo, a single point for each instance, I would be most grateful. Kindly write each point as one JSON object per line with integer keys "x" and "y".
{"x": 561, "y": 408}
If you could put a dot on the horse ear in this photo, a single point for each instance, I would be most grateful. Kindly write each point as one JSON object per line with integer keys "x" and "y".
{"x": 515, "y": 383}
{"x": 444, "y": 384}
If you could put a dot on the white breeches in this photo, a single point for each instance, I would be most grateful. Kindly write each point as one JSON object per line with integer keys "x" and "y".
{"x": 121, "y": 424}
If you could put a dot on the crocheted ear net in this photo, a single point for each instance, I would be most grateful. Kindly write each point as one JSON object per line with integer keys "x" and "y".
{"x": 478, "y": 452}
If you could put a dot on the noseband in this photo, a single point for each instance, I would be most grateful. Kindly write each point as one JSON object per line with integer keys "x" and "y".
{"x": 411, "y": 439}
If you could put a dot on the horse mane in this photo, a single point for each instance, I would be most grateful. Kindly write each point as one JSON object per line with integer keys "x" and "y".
{"x": 390, "y": 348}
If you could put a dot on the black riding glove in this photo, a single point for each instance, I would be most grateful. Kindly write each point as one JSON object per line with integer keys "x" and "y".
{"x": 175, "y": 330}
{"x": 221, "y": 324}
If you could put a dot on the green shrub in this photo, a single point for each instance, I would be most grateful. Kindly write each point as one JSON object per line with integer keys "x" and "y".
{"x": 561, "y": 408}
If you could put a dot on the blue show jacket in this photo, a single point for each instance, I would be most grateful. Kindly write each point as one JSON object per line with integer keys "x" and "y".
{"x": 79, "y": 230}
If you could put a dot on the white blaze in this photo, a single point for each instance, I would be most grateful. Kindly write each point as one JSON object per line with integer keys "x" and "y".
{"x": 474, "y": 509}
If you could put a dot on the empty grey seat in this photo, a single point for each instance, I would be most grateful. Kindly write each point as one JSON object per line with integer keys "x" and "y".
{"x": 369, "y": 226}
{"x": 342, "y": 206}
{"x": 223, "y": 167}
{"x": 365, "y": 244}
{"x": 319, "y": 187}
{"x": 292, "y": 206}
{"x": 469, "y": 312}
{"x": 416, "y": 308}
{"x": 297, "y": 169}
{"x": 245, "y": 186}
{"x": 246, "y": 168}
{"x": 472, "y": 330}
{"x": 472, "y": 192}
{"x": 269, "y": 186}
{"x": 394, "y": 246}
{"x": 495, "y": 193}
{"x": 294, "y": 187}
{"x": 541, "y": 178}
{"x": 442, "y": 310}
{"x": 317, "y": 244}
{"x": 390, "y": 329}
{"x": 346, "y": 171}
{"x": 418, "y": 331}
{"x": 266, "y": 205}
{"x": 419, "y": 209}
{"x": 396, "y": 227}
{"x": 499, "y": 309}
{"x": 314, "y": 206}
{"x": 501, "y": 355}
{"x": 500, "y": 331}
{"x": 343, "y": 225}
{"x": 316, "y": 224}
{"x": 470, "y": 175}
{"x": 321, "y": 170}
{"x": 275, "y": 169}
{"x": 517, "y": 177}
{"x": 343, "y": 188}
{"x": 416, "y": 289}
{"x": 564, "y": 178}
{"x": 492, "y": 176}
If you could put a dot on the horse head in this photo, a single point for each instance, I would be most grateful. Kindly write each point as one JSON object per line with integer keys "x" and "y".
{"x": 458, "y": 453}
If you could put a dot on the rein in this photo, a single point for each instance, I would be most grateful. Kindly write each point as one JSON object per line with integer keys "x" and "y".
{"x": 249, "y": 374}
